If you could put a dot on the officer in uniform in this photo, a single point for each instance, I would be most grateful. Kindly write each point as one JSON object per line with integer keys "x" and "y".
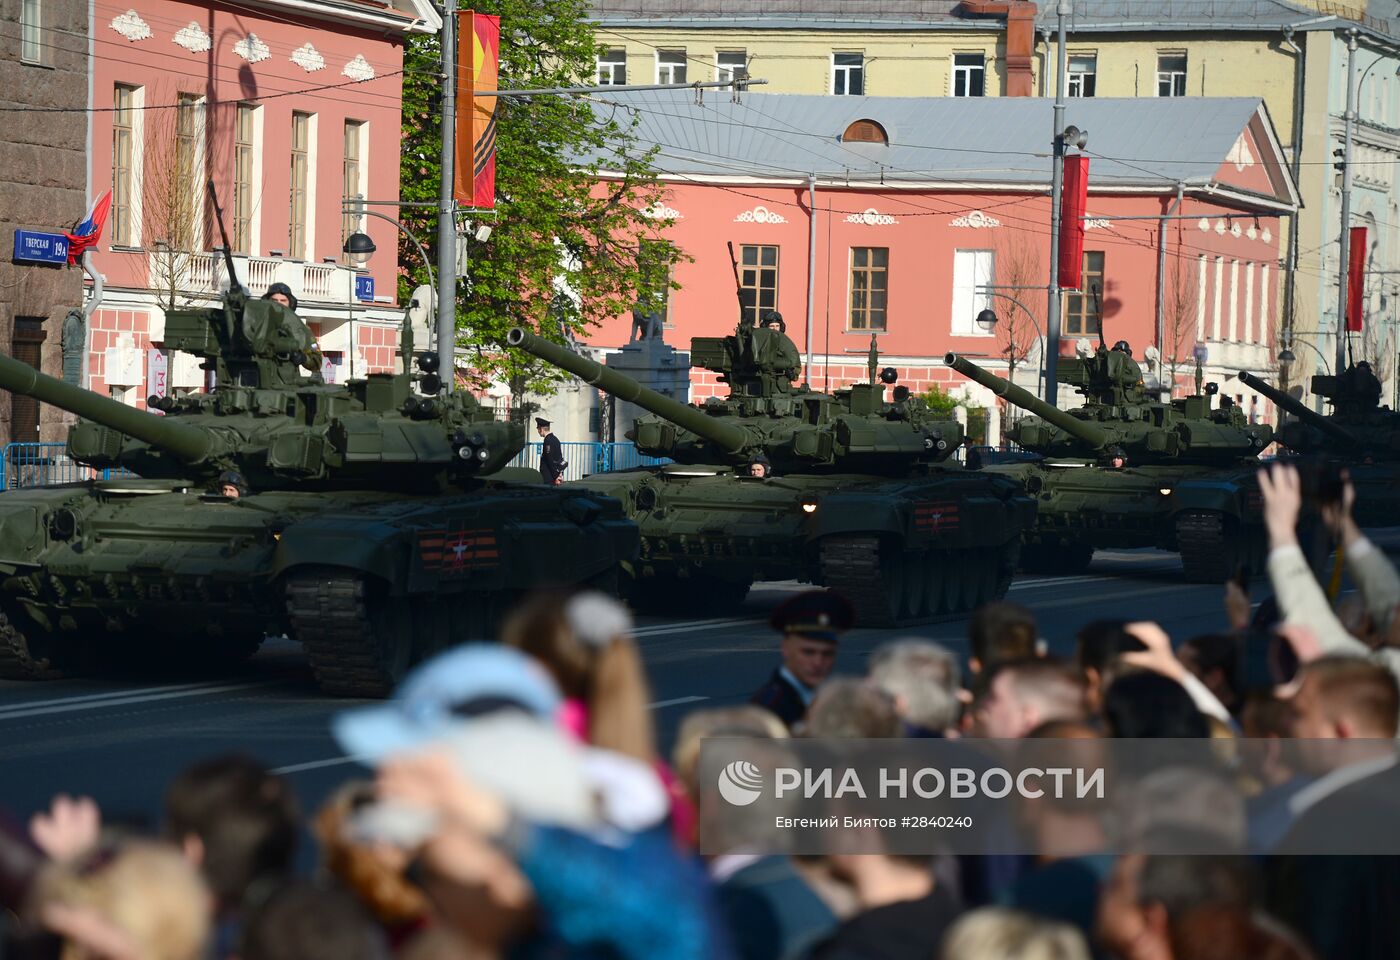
{"x": 551, "y": 456}
{"x": 810, "y": 623}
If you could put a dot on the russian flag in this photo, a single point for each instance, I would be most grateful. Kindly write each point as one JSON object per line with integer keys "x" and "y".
{"x": 89, "y": 230}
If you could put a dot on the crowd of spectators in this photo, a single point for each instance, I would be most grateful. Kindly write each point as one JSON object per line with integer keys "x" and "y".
{"x": 519, "y": 804}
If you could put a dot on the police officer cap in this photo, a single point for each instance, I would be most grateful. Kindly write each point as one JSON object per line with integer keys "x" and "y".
{"x": 542, "y": 422}
{"x": 821, "y": 614}
{"x": 283, "y": 289}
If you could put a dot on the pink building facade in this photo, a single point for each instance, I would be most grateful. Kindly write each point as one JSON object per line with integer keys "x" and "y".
{"x": 288, "y": 107}
{"x": 911, "y": 263}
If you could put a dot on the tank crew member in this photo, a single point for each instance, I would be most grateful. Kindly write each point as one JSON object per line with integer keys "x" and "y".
{"x": 281, "y": 293}
{"x": 782, "y": 353}
{"x": 232, "y": 485}
{"x": 552, "y": 464}
{"x": 810, "y": 623}
{"x": 760, "y": 466}
{"x": 1123, "y": 347}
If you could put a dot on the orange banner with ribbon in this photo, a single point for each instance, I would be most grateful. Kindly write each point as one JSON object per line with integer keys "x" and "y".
{"x": 478, "y": 64}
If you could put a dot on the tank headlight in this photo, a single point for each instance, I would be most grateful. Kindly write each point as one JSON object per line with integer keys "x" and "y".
{"x": 1165, "y": 491}
{"x": 466, "y": 453}
{"x": 809, "y": 504}
{"x": 483, "y": 454}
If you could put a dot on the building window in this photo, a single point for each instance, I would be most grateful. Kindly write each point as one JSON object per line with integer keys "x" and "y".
{"x": 243, "y": 186}
{"x": 848, "y": 74}
{"x": 31, "y": 29}
{"x": 123, "y": 174}
{"x": 301, "y": 171}
{"x": 184, "y": 231}
{"x": 969, "y": 74}
{"x": 731, "y": 65}
{"x": 1171, "y": 75}
{"x": 870, "y": 287}
{"x": 612, "y": 68}
{"x": 352, "y": 181}
{"x": 1082, "y": 71}
{"x": 670, "y": 66}
{"x": 1081, "y": 319}
{"x": 758, "y": 281}
{"x": 973, "y": 270}
{"x": 655, "y": 260}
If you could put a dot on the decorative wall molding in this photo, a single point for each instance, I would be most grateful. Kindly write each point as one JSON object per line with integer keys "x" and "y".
{"x": 659, "y": 211}
{"x": 1220, "y": 228}
{"x": 1240, "y": 155}
{"x": 1098, "y": 223}
{"x": 358, "y": 69}
{"x": 1266, "y": 235}
{"x": 760, "y": 214}
{"x": 977, "y": 220}
{"x": 871, "y": 218}
{"x": 1251, "y": 233}
{"x": 308, "y": 58}
{"x": 1235, "y": 230}
{"x": 252, "y": 49}
{"x": 193, "y": 38}
{"x": 1204, "y": 224}
{"x": 131, "y": 26}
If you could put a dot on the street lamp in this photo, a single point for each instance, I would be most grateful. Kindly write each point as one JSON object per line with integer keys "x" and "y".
{"x": 987, "y": 320}
{"x": 360, "y": 248}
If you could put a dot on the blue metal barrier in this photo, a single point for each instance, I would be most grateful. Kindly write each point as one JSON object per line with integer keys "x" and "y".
{"x": 46, "y": 464}
{"x": 587, "y": 458}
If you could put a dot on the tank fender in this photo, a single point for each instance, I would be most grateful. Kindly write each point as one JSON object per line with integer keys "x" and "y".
{"x": 325, "y": 545}
{"x": 845, "y": 513}
{"x": 1220, "y": 496}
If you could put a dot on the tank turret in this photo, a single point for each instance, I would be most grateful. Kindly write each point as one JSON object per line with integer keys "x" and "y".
{"x": 271, "y": 416}
{"x": 795, "y": 428}
{"x": 1357, "y": 428}
{"x": 1119, "y": 421}
{"x": 1314, "y": 432}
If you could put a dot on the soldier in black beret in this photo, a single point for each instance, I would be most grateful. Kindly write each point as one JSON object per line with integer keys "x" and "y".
{"x": 810, "y": 623}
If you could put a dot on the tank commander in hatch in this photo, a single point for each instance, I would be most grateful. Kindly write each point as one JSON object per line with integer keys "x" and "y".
{"x": 232, "y": 485}
{"x": 780, "y": 351}
{"x": 811, "y": 624}
{"x": 760, "y": 467}
{"x": 312, "y": 358}
{"x": 281, "y": 293}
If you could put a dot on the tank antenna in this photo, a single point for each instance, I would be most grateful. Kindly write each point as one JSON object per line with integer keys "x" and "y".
{"x": 233, "y": 283}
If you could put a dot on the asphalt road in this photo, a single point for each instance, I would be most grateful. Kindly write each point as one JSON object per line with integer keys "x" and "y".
{"x": 121, "y": 740}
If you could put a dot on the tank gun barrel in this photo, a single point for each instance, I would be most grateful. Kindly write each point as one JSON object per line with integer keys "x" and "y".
{"x": 189, "y": 444}
{"x": 1299, "y": 410}
{"x": 1080, "y": 430}
{"x": 730, "y": 438}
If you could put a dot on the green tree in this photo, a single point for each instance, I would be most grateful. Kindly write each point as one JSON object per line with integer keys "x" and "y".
{"x": 563, "y": 252}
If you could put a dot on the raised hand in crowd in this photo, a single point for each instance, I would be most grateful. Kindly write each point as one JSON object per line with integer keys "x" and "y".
{"x": 68, "y": 829}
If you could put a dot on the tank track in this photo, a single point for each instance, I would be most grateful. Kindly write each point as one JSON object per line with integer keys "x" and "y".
{"x": 16, "y": 660}
{"x": 853, "y": 567}
{"x": 330, "y": 616}
{"x": 1207, "y": 555}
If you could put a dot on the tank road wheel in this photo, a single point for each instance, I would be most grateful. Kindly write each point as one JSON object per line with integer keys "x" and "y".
{"x": 1213, "y": 547}
{"x": 915, "y": 605}
{"x": 358, "y": 640}
{"x": 954, "y": 589}
{"x": 28, "y": 652}
{"x": 986, "y": 569}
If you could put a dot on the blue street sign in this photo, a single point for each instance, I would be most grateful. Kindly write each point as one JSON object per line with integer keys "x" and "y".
{"x": 364, "y": 288}
{"x": 31, "y": 246}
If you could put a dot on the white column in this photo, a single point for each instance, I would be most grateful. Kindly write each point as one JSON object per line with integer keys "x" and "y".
{"x": 1234, "y": 301}
{"x": 1201, "y": 297}
{"x": 1265, "y": 327}
{"x": 1248, "y": 302}
{"x": 1219, "y": 285}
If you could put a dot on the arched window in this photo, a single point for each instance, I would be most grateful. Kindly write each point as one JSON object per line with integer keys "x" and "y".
{"x": 866, "y": 131}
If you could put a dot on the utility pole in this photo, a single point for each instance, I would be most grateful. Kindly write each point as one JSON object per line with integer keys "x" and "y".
{"x": 447, "y": 228}
{"x": 1057, "y": 177}
{"x": 1344, "y": 254}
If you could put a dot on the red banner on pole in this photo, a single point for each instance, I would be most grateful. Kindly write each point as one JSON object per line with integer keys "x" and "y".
{"x": 1356, "y": 280}
{"x": 478, "y": 63}
{"x": 1073, "y": 201}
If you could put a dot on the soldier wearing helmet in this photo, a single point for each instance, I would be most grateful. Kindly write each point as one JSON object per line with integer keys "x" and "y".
{"x": 232, "y": 485}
